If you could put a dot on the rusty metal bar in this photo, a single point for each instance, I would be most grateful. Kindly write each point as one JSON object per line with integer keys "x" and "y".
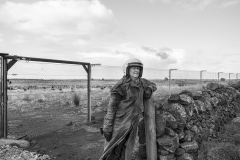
{"x": 1, "y": 102}
{"x": 45, "y": 60}
{"x": 89, "y": 94}
{"x": 86, "y": 69}
{"x": 11, "y": 63}
{"x": 5, "y": 122}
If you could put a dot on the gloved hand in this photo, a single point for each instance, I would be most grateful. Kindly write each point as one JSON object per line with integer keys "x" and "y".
{"x": 147, "y": 93}
{"x": 107, "y": 135}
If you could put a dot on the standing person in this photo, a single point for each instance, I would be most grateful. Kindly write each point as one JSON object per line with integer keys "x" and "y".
{"x": 124, "y": 112}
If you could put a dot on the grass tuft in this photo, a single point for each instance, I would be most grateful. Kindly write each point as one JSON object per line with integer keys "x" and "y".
{"x": 76, "y": 99}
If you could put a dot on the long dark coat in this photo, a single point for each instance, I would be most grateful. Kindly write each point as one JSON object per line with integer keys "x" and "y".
{"x": 123, "y": 113}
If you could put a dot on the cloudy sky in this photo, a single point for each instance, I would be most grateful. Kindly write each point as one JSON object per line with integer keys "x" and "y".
{"x": 183, "y": 34}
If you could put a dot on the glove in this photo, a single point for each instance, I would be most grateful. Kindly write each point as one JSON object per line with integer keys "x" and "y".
{"x": 107, "y": 135}
{"x": 147, "y": 93}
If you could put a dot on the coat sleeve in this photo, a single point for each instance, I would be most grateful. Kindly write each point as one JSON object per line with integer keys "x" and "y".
{"x": 115, "y": 98}
{"x": 149, "y": 84}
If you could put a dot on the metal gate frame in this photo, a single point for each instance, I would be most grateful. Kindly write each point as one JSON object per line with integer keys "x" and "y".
{"x": 6, "y": 65}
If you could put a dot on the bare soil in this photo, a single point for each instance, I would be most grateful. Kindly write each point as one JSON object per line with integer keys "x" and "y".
{"x": 60, "y": 131}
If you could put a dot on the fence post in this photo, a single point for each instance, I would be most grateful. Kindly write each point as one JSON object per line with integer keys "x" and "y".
{"x": 201, "y": 77}
{"x": 1, "y": 99}
{"x": 5, "y": 121}
{"x": 89, "y": 94}
{"x": 150, "y": 129}
{"x": 230, "y": 76}
{"x": 169, "y": 79}
{"x": 218, "y": 76}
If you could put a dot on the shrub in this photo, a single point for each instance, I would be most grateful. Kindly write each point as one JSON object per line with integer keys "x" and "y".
{"x": 76, "y": 99}
{"x": 223, "y": 79}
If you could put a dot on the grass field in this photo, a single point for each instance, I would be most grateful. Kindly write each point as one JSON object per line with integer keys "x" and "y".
{"x": 47, "y": 112}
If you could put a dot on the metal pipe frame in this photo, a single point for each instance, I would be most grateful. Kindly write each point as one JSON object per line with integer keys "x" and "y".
{"x": 1, "y": 100}
{"x": 3, "y": 84}
{"x": 89, "y": 94}
{"x": 5, "y": 121}
{"x": 44, "y": 60}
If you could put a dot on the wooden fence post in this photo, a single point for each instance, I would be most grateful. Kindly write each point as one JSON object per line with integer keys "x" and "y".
{"x": 150, "y": 129}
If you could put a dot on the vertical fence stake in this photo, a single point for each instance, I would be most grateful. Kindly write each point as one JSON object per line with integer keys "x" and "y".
{"x": 5, "y": 133}
{"x": 89, "y": 93}
{"x": 170, "y": 79}
{"x": 230, "y": 76}
{"x": 1, "y": 99}
{"x": 201, "y": 77}
{"x": 150, "y": 129}
{"x": 218, "y": 76}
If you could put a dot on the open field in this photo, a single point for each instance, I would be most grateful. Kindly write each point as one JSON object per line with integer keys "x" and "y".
{"x": 45, "y": 112}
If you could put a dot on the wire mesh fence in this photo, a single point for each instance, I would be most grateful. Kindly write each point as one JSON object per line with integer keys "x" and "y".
{"x": 51, "y": 86}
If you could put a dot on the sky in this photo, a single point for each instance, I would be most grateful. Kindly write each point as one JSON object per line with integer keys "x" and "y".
{"x": 188, "y": 35}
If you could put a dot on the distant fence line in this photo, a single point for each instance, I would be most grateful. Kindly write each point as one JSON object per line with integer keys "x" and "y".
{"x": 45, "y": 70}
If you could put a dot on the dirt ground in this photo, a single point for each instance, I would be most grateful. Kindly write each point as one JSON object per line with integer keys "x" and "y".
{"x": 61, "y": 132}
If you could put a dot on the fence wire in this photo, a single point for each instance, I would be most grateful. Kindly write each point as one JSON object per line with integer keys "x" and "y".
{"x": 40, "y": 85}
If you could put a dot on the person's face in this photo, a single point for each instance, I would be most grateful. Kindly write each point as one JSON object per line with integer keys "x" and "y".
{"x": 134, "y": 72}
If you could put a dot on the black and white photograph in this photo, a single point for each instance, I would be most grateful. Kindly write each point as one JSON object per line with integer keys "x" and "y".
{"x": 119, "y": 79}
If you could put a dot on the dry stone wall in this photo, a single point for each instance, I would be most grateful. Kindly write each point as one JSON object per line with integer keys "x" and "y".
{"x": 185, "y": 120}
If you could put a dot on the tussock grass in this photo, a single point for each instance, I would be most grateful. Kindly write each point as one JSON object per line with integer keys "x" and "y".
{"x": 163, "y": 90}
{"x": 227, "y": 149}
{"x": 76, "y": 99}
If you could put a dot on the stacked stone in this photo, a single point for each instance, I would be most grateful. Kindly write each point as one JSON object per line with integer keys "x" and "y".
{"x": 184, "y": 120}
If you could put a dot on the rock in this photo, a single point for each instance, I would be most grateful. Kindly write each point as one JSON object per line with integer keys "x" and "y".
{"x": 186, "y": 156}
{"x": 177, "y": 110}
{"x": 12, "y": 142}
{"x": 195, "y": 129}
{"x": 171, "y": 121}
{"x": 174, "y": 98}
{"x": 69, "y": 124}
{"x": 160, "y": 125}
{"x": 167, "y": 157}
{"x": 186, "y": 92}
{"x": 181, "y": 135}
{"x": 190, "y": 147}
{"x": 200, "y": 106}
{"x": 198, "y": 97}
{"x": 227, "y": 152}
{"x": 208, "y": 104}
{"x": 214, "y": 101}
{"x": 212, "y": 86}
{"x": 236, "y": 120}
{"x": 161, "y": 103}
{"x": 188, "y": 137}
{"x": 185, "y": 99}
{"x": 163, "y": 152}
{"x": 236, "y": 139}
{"x": 179, "y": 151}
{"x": 170, "y": 132}
{"x": 170, "y": 144}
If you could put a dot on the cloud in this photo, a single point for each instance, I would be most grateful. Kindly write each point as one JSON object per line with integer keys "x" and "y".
{"x": 162, "y": 53}
{"x": 59, "y": 18}
{"x": 151, "y": 57}
{"x": 19, "y": 39}
{"x": 200, "y": 4}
